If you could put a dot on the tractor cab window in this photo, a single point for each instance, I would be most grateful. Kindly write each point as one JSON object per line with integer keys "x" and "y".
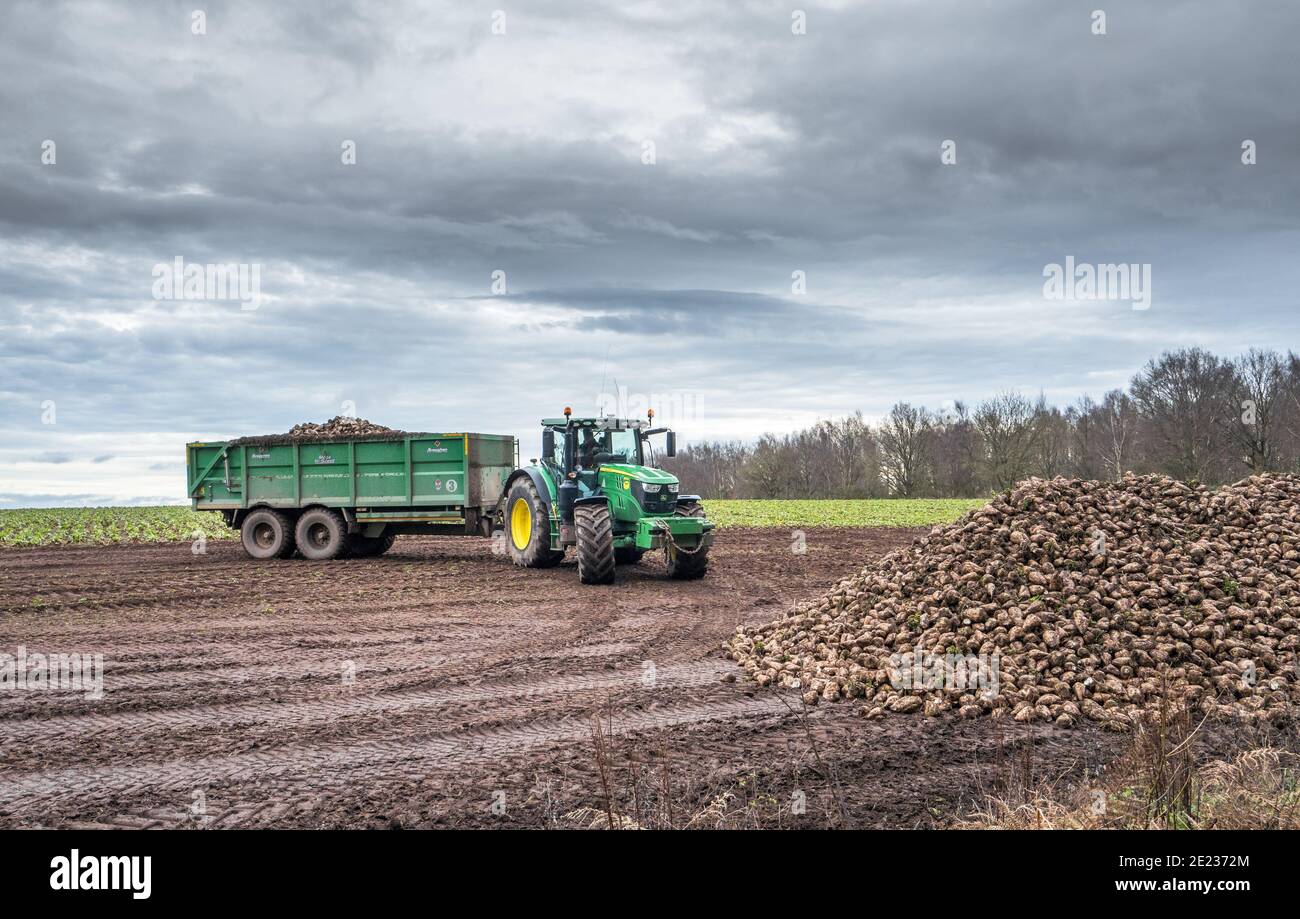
{"x": 596, "y": 447}
{"x": 556, "y": 457}
{"x": 587, "y": 447}
{"x": 621, "y": 447}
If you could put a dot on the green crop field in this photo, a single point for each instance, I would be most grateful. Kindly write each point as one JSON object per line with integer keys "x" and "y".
{"x": 886, "y": 512}
{"x": 106, "y": 525}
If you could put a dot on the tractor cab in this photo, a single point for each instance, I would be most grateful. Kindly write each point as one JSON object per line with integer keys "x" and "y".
{"x": 596, "y": 487}
{"x": 578, "y": 448}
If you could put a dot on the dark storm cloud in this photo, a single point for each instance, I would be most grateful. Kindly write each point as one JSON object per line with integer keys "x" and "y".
{"x": 521, "y": 153}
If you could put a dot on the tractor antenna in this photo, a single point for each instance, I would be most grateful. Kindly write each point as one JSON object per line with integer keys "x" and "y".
{"x": 604, "y": 369}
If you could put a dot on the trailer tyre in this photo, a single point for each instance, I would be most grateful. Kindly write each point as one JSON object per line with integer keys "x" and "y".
{"x": 321, "y": 534}
{"x": 527, "y": 527}
{"x": 370, "y": 546}
{"x": 595, "y": 543}
{"x": 684, "y": 566}
{"x": 267, "y": 533}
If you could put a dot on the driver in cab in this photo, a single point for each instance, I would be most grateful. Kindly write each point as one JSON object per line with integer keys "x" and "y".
{"x": 588, "y": 450}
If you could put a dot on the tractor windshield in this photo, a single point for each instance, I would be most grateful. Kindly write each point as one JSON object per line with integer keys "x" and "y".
{"x": 624, "y": 445}
{"x": 596, "y": 446}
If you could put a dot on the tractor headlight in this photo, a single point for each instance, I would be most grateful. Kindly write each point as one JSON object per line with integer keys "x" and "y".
{"x": 673, "y": 488}
{"x": 651, "y": 489}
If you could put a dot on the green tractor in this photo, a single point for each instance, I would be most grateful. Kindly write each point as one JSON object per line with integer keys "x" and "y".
{"x": 596, "y": 488}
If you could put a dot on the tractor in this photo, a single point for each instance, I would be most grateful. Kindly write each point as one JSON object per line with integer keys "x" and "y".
{"x": 596, "y": 488}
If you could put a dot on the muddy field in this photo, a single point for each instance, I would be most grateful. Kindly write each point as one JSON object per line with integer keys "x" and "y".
{"x": 440, "y": 686}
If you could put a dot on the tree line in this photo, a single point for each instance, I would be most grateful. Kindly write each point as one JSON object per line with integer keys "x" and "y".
{"x": 1188, "y": 414}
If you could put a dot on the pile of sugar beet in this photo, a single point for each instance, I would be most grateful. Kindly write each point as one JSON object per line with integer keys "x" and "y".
{"x": 340, "y": 427}
{"x": 1090, "y": 600}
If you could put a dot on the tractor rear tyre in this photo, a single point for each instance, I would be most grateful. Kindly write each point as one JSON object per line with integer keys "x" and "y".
{"x": 528, "y": 528}
{"x": 629, "y": 555}
{"x": 595, "y": 543}
{"x": 686, "y": 566}
{"x": 322, "y": 534}
{"x": 267, "y": 533}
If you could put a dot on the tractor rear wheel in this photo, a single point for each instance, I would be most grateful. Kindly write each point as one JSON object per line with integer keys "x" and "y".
{"x": 528, "y": 528}
{"x": 682, "y": 565}
{"x": 629, "y": 555}
{"x": 595, "y": 543}
{"x": 321, "y": 534}
{"x": 267, "y": 533}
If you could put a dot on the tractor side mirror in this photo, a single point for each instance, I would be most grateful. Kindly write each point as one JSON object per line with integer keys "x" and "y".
{"x": 670, "y": 445}
{"x": 548, "y": 444}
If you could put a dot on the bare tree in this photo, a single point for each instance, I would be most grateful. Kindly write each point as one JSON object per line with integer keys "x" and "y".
{"x": 1006, "y": 425}
{"x": 1183, "y": 396}
{"x": 1259, "y": 387}
{"x": 1086, "y": 441}
{"x": 955, "y": 449}
{"x": 903, "y": 439}
{"x": 1117, "y": 421}
{"x": 1053, "y": 436}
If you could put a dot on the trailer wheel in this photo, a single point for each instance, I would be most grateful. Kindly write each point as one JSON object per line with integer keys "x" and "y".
{"x": 370, "y": 546}
{"x": 595, "y": 543}
{"x": 321, "y": 534}
{"x": 528, "y": 529}
{"x": 628, "y": 556}
{"x": 267, "y": 533}
{"x": 684, "y": 566}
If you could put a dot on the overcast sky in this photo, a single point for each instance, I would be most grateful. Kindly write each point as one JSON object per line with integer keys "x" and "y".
{"x": 670, "y": 275}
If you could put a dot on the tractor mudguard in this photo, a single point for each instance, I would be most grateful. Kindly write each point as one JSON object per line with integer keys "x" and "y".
{"x": 689, "y": 499}
{"x": 598, "y": 498}
{"x": 539, "y": 482}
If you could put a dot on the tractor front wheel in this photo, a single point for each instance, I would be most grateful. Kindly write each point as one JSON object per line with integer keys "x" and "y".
{"x": 595, "y": 543}
{"x": 528, "y": 529}
{"x": 683, "y": 565}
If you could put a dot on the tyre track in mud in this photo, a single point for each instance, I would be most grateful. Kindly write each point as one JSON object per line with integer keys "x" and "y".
{"x": 463, "y": 661}
{"x": 299, "y": 714}
{"x": 381, "y": 759}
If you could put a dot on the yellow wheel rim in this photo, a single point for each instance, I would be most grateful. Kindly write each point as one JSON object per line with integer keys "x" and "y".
{"x": 521, "y": 524}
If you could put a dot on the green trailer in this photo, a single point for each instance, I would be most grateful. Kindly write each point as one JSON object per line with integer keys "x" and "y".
{"x": 326, "y": 498}
{"x": 595, "y": 489}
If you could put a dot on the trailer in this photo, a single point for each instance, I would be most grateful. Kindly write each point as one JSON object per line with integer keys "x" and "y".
{"x": 327, "y": 498}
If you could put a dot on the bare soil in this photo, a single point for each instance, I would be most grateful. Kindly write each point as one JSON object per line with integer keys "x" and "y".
{"x": 441, "y": 686}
